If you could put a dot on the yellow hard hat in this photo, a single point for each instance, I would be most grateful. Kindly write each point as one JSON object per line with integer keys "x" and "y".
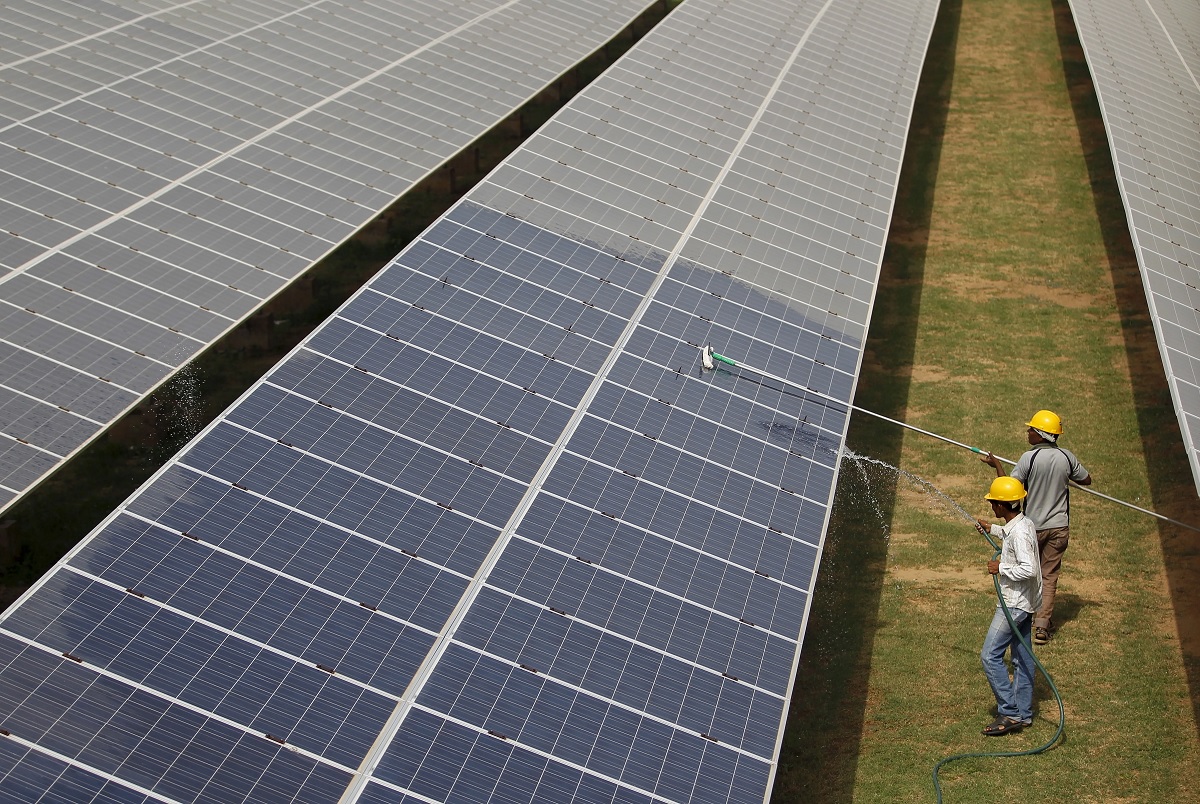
{"x": 1006, "y": 489}
{"x": 1047, "y": 421}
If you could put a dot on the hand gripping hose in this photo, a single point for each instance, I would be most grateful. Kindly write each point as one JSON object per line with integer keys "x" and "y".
{"x": 937, "y": 787}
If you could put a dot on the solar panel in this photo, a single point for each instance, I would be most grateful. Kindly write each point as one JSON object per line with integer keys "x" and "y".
{"x": 490, "y": 534}
{"x": 165, "y": 168}
{"x": 1146, "y": 69}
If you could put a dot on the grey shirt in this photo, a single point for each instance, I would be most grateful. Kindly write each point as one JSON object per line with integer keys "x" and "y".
{"x": 1044, "y": 471}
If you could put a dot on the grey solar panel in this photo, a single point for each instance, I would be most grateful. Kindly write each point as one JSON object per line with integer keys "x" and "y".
{"x": 489, "y": 534}
{"x": 1145, "y": 64}
{"x": 194, "y": 158}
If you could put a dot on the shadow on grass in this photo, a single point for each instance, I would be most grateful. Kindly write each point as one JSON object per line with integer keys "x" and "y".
{"x": 1171, "y": 487}
{"x": 826, "y": 719}
{"x": 1067, "y": 607}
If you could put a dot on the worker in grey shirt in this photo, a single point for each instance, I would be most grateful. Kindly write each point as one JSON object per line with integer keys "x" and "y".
{"x": 1045, "y": 471}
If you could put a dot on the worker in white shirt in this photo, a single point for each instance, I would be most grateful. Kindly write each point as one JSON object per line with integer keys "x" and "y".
{"x": 1020, "y": 578}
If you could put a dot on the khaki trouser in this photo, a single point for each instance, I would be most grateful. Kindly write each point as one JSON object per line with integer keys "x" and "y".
{"x": 1052, "y": 543}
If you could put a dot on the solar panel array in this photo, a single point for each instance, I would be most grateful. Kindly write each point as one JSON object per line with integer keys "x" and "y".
{"x": 167, "y": 167}
{"x": 490, "y": 534}
{"x": 1145, "y": 63}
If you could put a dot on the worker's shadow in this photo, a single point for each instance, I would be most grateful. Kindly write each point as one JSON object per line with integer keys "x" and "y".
{"x": 1067, "y": 608}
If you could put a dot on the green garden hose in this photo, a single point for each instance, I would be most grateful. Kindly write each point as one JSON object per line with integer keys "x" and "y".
{"x": 937, "y": 787}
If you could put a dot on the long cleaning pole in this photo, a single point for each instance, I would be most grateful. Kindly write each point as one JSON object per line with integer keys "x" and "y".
{"x": 710, "y": 359}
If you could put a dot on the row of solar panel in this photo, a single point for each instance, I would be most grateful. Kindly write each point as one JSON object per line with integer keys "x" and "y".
{"x": 545, "y": 321}
{"x": 306, "y": 609}
{"x": 312, "y": 47}
{"x": 694, "y": 766}
{"x": 202, "y": 156}
{"x": 1145, "y": 65}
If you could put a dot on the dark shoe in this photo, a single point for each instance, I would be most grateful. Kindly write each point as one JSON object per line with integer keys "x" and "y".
{"x": 1041, "y": 636}
{"x": 1003, "y": 725}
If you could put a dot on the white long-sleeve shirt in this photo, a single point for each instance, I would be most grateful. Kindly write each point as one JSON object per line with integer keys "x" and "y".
{"x": 1020, "y": 565}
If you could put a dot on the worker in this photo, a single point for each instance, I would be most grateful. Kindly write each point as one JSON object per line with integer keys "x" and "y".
{"x": 1045, "y": 470}
{"x": 1020, "y": 581}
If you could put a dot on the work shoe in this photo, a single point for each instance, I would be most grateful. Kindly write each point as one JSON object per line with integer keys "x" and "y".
{"x": 1003, "y": 725}
{"x": 1041, "y": 636}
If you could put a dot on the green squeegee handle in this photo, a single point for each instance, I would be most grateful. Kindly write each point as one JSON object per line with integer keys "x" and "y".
{"x": 723, "y": 359}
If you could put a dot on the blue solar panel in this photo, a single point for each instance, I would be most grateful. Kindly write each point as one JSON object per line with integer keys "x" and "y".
{"x": 490, "y": 533}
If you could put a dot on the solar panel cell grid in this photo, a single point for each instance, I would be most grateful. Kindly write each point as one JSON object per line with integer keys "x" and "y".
{"x": 235, "y": 759}
{"x": 47, "y": 779}
{"x": 365, "y": 649}
{"x": 445, "y": 746}
{"x": 269, "y": 692}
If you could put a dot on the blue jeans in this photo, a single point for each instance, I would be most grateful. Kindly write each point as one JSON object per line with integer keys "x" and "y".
{"x": 1013, "y": 698}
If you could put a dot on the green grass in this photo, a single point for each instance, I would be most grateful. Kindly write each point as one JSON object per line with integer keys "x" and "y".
{"x": 1008, "y": 285}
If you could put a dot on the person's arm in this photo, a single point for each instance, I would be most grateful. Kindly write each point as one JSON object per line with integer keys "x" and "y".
{"x": 1020, "y": 469}
{"x": 994, "y": 462}
{"x": 985, "y": 527}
